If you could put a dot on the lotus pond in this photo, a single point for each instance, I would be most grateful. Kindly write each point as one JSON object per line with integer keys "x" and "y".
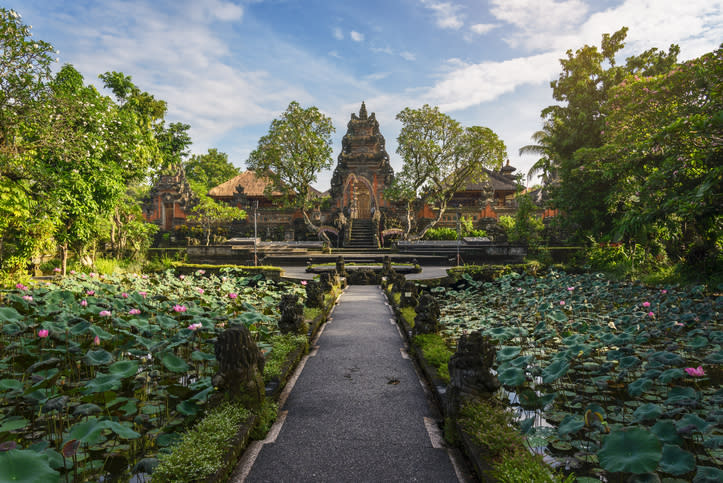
{"x": 609, "y": 379}
{"x": 99, "y": 374}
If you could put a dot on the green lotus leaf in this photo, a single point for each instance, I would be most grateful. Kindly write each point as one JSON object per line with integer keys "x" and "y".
{"x": 714, "y": 358}
{"x": 631, "y": 451}
{"x": 499, "y": 333}
{"x": 554, "y": 371}
{"x": 647, "y": 412}
{"x": 691, "y": 419}
{"x": 676, "y": 461}
{"x": 166, "y": 322}
{"x": 187, "y": 408}
{"x": 167, "y": 439}
{"x": 511, "y": 376}
{"x": 102, "y": 383}
{"x": 644, "y": 478}
{"x": 670, "y": 374}
{"x": 9, "y": 314}
{"x": 508, "y": 352}
{"x": 89, "y": 432}
{"x": 10, "y": 385}
{"x": 639, "y": 386}
{"x": 145, "y": 465}
{"x": 12, "y": 423}
{"x": 629, "y": 362}
{"x": 80, "y": 328}
{"x": 203, "y": 395}
{"x": 202, "y": 356}
{"x": 557, "y": 316}
{"x": 708, "y": 474}
{"x": 27, "y": 466}
{"x": 124, "y": 369}
{"x": 12, "y": 328}
{"x": 250, "y": 317}
{"x": 570, "y": 424}
{"x": 522, "y": 361}
{"x": 56, "y": 404}
{"x": 682, "y": 395}
{"x": 86, "y": 409}
{"x": 55, "y": 459}
{"x": 122, "y": 429}
{"x": 713, "y": 442}
{"x": 129, "y": 408}
{"x": 666, "y": 432}
{"x": 698, "y": 342}
{"x": 526, "y": 425}
{"x": 666, "y": 358}
{"x": 174, "y": 363}
{"x": 99, "y": 357}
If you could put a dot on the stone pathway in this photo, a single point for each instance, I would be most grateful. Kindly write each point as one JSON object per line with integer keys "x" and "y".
{"x": 357, "y": 412}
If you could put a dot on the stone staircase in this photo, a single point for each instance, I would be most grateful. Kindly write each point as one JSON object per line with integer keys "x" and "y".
{"x": 362, "y": 235}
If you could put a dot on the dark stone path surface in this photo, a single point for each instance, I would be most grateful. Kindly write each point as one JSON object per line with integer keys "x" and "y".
{"x": 357, "y": 411}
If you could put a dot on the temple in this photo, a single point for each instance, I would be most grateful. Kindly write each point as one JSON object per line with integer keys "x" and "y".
{"x": 353, "y": 213}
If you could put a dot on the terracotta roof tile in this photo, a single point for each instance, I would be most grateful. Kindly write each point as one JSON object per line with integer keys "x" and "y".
{"x": 253, "y": 185}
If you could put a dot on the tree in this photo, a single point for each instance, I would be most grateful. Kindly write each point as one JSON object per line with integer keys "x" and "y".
{"x": 173, "y": 142}
{"x": 209, "y": 214}
{"x": 440, "y": 157}
{"x": 545, "y": 165}
{"x": 205, "y": 171}
{"x": 296, "y": 148}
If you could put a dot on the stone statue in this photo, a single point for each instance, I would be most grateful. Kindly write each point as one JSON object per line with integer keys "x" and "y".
{"x": 240, "y": 368}
{"x": 314, "y": 294}
{"x": 427, "y": 319}
{"x": 409, "y": 297}
{"x": 292, "y": 315}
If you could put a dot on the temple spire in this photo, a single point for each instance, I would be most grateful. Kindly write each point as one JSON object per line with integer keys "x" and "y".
{"x": 363, "y": 111}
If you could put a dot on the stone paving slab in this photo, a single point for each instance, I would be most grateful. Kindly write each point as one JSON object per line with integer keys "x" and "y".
{"x": 356, "y": 412}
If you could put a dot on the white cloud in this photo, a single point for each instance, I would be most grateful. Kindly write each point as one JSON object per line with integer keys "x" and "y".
{"x": 338, "y": 34}
{"x": 482, "y": 28}
{"x": 382, "y": 50}
{"x": 446, "y": 13}
{"x": 335, "y": 54}
{"x": 408, "y": 56}
{"x": 356, "y": 36}
{"x": 377, "y": 76}
{"x": 226, "y": 10}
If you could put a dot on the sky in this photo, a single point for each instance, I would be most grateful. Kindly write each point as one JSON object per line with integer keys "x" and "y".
{"x": 229, "y": 67}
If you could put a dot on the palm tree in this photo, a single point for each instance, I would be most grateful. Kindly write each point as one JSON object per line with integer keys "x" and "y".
{"x": 543, "y": 148}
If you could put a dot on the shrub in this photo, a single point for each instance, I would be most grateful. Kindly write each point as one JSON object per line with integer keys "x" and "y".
{"x": 408, "y": 314}
{"x": 281, "y": 346}
{"x": 435, "y": 352}
{"x": 267, "y": 416}
{"x": 199, "y": 453}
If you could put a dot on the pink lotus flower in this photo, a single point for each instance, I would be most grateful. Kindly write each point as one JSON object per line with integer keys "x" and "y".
{"x": 223, "y": 279}
{"x": 124, "y": 295}
{"x": 144, "y": 276}
{"x": 72, "y": 272}
{"x": 92, "y": 274}
{"x": 84, "y": 303}
{"x": 200, "y": 291}
{"x": 28, "y": 298}
{"x": 570, "y": 289}
{"x": 679, "y": 324}
{"x": 57, "y": 270}
{"x": 43, "y": 333}
{"x": 181, "y": 277}
{"x": 20, "y": 286}
{"x": 143, "y": 294}
{"x": 651, "y": 314}
{"x": 663, "y": 291}
{"x": 562, "y": 302}
{"x": 646, "y": 304}
{"x": 105, "y": 313}
{"x": 232, "y": 295}
{"x": 303, "y": 282}
{"x": 201, "y": 272}
{"x": 134, "y": 312}
{"x": 179, "y": 308}
{"x": 96, "y": 341}
{"x": 695, "y": 372}
{"x": 90, "y": 292}
{"x": 195, "y": 326}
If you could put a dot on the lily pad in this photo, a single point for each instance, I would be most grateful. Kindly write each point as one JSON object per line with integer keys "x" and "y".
{"x": 670, "y": 374}
{"x": 676, "y": 461}
{"x": 682, "y": 395}
{"x": 12, "y": 423}
{"x": 27, "y": 466}
{"x": 639, "y": 386}
{"x": 102, "y": 383}
{"x": 10, "y": 385}
{"x": 100, "y": 357}
{"x": 508, "y": 352}
{"x": 86, "y": 409}
{"x": 174, "y": 363}
{"x": 708, "y": 474}
{"x": 571, "y": 424}
{"x": 511, "y": 376}
{"x": 187, "y": 408}
{"x": 554, "y": 371}
{"x": 631, "y": 451}
{"x": 124, "y": 369}
{"x": 666, "y": 432}
{"x": 647, "y": 412}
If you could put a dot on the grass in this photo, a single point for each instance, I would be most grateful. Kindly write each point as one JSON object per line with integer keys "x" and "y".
{"x": 408, "y": 314}
{"x": 435, "y": 352}
{"x": 266, "y": 419}
{"x": 310, "y": 313}
{"x": 281, "y": 346}
{"x": 491, "y": 427}
{"x": 199, "y": 454}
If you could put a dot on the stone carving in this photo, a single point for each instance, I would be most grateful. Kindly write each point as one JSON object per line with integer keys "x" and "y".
{"x": 314, "y": 294}
{"x": 341, "y": 270}
{"x": 240, "y": 368}
{"x": 292, "y": 315}
{"x": 409, "y": 297}
{"x": 427, "y": 319}
{"x": 469, "y": 371}
{"x": 327, "y": 280}
{"x": 364, "y": 276}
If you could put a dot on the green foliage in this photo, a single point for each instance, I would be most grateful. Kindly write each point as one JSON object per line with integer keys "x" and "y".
{"x": 200, "y": 452}
{"x": 435, "y": 352}
{"x": 525, "y": 227}
{"x": 446, "y": 233}
{"x": 281, "y": 346}
{"x": 440, "y": 157}
{"x": 209, "y": 170}
{"x": 408, "y": 314}
{"x": 490, "y": 426}
{"x": 521, "y": 466}
{"x": 266, "y": 417}
{"x": 210, "y": 214}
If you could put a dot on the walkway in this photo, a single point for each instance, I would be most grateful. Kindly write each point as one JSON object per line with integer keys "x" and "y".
{"x": 427, "y": 273}
{"x": 357, "y": 411}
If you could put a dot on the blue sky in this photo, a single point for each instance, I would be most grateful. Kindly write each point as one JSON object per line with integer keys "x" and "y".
{"x": 228, "y": 67}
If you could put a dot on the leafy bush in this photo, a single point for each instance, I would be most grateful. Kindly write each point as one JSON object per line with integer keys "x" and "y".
{"x": 408, "y": 314}
{"x": 522, "y": 466}
{"x": 199, "y": 453}
{"x": 266, "y": 418}
{"x": 281, "y": 346}
{"x": 435, "y": 352}
{"x": 441, "y": 233}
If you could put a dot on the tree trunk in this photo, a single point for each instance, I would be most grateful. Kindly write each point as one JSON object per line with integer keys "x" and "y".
{"x": 315, "y": 228}
{"x": 442, "y": 210}
{"x": 64, "y": 258}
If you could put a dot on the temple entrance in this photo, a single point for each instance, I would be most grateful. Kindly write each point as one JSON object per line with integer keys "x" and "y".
{"x": 363, "y": 201}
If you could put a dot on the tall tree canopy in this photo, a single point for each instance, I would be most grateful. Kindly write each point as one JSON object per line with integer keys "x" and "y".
{"x": 440, "y": 157}
{"x": 205, "y": 171}
{"x": 296, "y": 148}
